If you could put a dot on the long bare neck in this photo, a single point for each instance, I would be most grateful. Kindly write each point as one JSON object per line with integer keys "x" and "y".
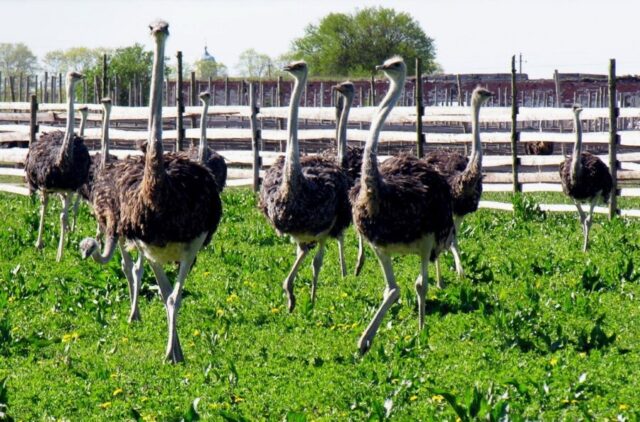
{"x": 66, "y": 149}
{"x": 369, "y": 177}
{"x": 203, "y": 152}
{"x": 475, "y": 159}
{"x": 154, "y": 163}
{"x": 83, "y": 123}
{"x": 576, "y": 162}
{"x": 105, "y": 137}
{"x": 342, "y": 132}
{"x": 292, "y": 168}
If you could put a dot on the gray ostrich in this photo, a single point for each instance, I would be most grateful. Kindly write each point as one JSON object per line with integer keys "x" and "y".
{"x": 463, "y": 174}
{"x": 306, "y": 197}
{"x": 585, "y": 178}
{"x": 402, "y": 206}
{"x": 58, "y": 163}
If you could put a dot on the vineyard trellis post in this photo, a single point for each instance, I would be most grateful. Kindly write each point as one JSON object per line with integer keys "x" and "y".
{"x": 179, "y": 105}
{"x": 614, "y": 139}
{"x": 255, "y": 137}
{"x": 419, "y": 110}
{"x": 515, "y": 135}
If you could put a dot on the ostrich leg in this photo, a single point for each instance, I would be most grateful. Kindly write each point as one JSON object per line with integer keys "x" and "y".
{"x": 587, "y": 225}
{"x": 421, "y": 285}
{"x": 360, "y": 261}
{"x": 343, "y": 266}
{"x": 391, "y": 294}
{"x": 76, "y": 207}
{"x": 316, "y": 266}
{"x": 44, "y": 201}
{"x": 64, "y": 223}
{"x": 456, "y": 257}
{"x": 133, "y": 279}
{"x": 287, "y": 285}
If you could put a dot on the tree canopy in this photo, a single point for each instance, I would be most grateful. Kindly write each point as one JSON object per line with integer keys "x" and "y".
{"x": 17, "y": 58}
{"x": 353, "y": 44}
{"x": 252, "y": 64}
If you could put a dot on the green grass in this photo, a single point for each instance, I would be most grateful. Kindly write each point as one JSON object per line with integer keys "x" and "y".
{"x": 537, "y": 330}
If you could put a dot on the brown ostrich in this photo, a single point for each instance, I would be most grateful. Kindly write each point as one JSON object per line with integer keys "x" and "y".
{"x": 349, "y": 158}
{"x": 169, "y": 206}
{"x": 58, "y": 163}
{"x": 463, "y": 174}
{"x": 306, "y": 197}
{"x": 585, "y": 178}
{"x": 206, "y": 156}
{"x": 401, "y": 207}
{"x": 539, "y": 148}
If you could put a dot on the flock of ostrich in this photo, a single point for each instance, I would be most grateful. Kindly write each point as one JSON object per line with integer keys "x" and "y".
{"x": 167, "y": 206}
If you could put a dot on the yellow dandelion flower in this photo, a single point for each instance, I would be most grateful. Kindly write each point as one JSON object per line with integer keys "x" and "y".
{"x": 413, "y": 398}
{"x": 143, "y": 399}
{"x": 553, "y": 361}
{"x": 275, "y": 310}
{"x": 149, "y": 418}
{"x": 238, "y": 399}
{"x": 343, "y": 295}
{"x": 105, "y": 405}
{"x": 624, "y": 407}
{"x": 582, "y": 354}
{"x": 196, "y": 332}
{"x": 11, "y": 299}
{"x": 125, "y": 339}
{"x": 219, "y": 312}
{"x": 232, "y": 298}
{"x": 68, "y": 338}
{"x": 437, "y": 398}
{"x": 407, "y": 338}
{"x": 117, "y": 392}
{"x": 113, "y": 376}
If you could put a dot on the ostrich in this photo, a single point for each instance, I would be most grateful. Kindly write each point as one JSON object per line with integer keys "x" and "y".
{"x": 402, "y": 206}
{"x": 584, "y": 178}
{"x": 204, "y": 155}
{"x": 169, "y": 206}
{"x": 306, "y": 197}
{"x": 58, "y": 163}
{"x": 348, "y": 158}
{"x": 463, "y": 174}
{"x": 539, "y": 148}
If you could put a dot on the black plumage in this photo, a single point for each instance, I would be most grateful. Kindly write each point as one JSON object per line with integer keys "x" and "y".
{"x": 45, "y": 171}
{"x": 216, "y": 165}
{"x": 593, "y": 179}
{"x": 539, "y": 148}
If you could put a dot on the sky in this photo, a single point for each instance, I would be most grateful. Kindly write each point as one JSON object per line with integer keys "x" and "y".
{"x": 471, "y": 36}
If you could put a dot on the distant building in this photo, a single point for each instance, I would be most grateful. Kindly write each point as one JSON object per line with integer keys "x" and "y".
{"x": 206, "y": 57}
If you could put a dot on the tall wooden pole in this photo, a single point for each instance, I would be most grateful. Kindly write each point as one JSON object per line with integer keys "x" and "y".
{"x": 105, "y": 93}
{"x": 33, "y": 122}
{"x": 179, "y": 105}
{"x": 515, "y": 135}
{"x": 419, "y": 110}
{"x": 255, "y": 137}
{"x": 614, "y": 138}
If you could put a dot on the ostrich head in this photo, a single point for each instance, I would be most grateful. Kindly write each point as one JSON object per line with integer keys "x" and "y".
{"x": 394, "y": 68}
{"x": 480, "y": 96}
{"x": 345, "y": 88}
{"x": 577, "y": 109}
{"x": 204, "y": 97}
{"x": 106, "y": 103}
{"x": 73, "y": 77}
{"x": 83, "y": 110}
{"x": 88, "y": 246}
{"x": 297, "y": 69}
{"x": 159, "y": 28}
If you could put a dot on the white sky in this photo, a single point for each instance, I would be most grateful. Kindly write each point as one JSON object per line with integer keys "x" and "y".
{"x": 470, "y": 35}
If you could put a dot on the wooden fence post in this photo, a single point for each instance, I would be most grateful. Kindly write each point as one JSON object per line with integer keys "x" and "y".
{"x": 515, "y": 135}
{"x": 193, "y": 87}
{"x": 459, "y": 83}
{"x": 179, "y": 105}
{"x": 419, "y": 110}
{"x": 33, "y": 122}
{"x": 279, "y": 104}
{"x": 12, "y": 88}
{"x": 372, "y": 96}
{"x": 105, "y": 93}
{"x": 60, "y": 98}
{"x": 614, "y": 138}
{"x": 20, "y": 81}
{"x": 255, "y": 137}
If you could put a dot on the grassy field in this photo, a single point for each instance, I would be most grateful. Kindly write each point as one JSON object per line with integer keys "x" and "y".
{"x": 537, "y": 329}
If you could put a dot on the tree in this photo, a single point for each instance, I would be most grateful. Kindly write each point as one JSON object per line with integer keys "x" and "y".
{"x": 209, "y": 69}
{"x": 342, "y": 45}
{"x": 128, "y": 64}
{"x": 252, "y": 64}
{"x": 76, "y": 58}
{"x": 16, "y": 59}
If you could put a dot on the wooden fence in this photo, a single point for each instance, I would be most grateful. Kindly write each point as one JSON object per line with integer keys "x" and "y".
{"x": 441, "y": 126}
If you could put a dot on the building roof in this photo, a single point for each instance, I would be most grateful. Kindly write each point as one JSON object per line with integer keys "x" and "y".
{"x": 206, "y": 56}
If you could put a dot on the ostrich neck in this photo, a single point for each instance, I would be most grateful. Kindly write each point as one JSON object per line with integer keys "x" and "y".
{"x": 475, "y": 159}
{"x": 342, "y": 132}
{"x": 292, "y": 168}
{"x": 203, "y": 151}
{"x": 577, "y": 150}
{"x": 105, "y": 256}
{"x": 83, "y": 123}
{"x": 154, "y": 162}
{"x": 66, "y": 149}
{"x": 370, "y": 176}
{"x": 105, "y": 138}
